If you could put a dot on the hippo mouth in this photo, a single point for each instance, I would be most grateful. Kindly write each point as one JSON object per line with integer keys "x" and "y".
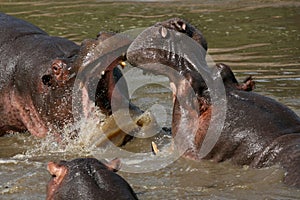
{"x": 177, "y": 50}
{"x": 101, "y": 85}
{"x": 98, "y": 72}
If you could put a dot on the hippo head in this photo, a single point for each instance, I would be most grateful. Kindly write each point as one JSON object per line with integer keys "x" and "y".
{"x": 38, "y": 77}
{"x": 43, "y": 79}
{"x": 176, "y": 49}
{"x": 45, "y": 96}
{"x": 87, "y": 178}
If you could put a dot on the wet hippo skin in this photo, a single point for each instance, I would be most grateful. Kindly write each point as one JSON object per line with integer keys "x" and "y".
{"x": 87, "y": 178}
{"x": 27, "y": 54}
{"x": 258, "y": 131}
{"x": 37, "y": 74}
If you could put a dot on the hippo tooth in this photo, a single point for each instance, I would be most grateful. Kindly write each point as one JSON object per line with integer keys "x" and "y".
{"x": 124, "y": 56}
{"x": 123, "y": 64}
{"x": 173, "y": 88}
{"x": 103, "y": 73}
{"x": 183, "y": 26}
{"x": 72, "y": 75}
{"x": 154, "y": 148}
{"x": 81, "y": 85}
{"x": 180, "y": 25}
{"x": 163, "y": 32}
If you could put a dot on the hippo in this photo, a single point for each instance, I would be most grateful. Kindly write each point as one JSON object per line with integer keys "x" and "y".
{"x": 87, "y": 178}
{"x": 258, "y": 131}
{"x": 37, "y": 75}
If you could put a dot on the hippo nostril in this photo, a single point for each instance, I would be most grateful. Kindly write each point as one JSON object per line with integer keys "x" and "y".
{"x": 46, "y": 79}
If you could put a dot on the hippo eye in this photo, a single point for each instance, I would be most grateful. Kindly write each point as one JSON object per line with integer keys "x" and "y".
{"x": 46, "y": 79}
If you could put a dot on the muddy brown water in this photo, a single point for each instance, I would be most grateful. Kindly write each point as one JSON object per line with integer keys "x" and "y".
{"x": 258, "y": 38}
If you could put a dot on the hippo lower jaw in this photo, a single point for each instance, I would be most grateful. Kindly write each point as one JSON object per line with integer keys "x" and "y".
{"x": 31, "y": 122}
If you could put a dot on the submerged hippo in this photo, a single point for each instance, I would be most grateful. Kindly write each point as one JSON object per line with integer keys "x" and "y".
{"x": 37, "y": 74}
{"x": 87, "y": 178}
{"x": 258, "y": 131}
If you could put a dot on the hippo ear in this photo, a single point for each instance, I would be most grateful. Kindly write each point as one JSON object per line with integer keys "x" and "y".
{"x": 57, "y": 171}
{"x": 248, "y": 84}
{"x": 59, "y": 73}
{"x": 114, "y": 165}
{"x": 60, "y": 70}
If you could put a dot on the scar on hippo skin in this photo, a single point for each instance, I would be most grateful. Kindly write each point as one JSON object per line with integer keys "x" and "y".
{"x": 230, "y": 80}
{"x": 87, "y": 178}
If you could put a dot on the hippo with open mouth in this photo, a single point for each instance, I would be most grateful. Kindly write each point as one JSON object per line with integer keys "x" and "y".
{"x": 37, "y": 76}
{"x": 258, "y": 131}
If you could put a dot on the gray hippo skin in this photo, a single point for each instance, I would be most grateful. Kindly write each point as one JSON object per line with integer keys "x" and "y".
{"x": 27, "y": 60}
{"x": 37, "y": 74}
{"x": 87, "y": 178}
{"x": 258, "y": 131}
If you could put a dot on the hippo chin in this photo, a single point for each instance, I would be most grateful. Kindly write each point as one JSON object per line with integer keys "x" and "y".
{"x": 37, "y": 76}
{"x": 258, "y": 131}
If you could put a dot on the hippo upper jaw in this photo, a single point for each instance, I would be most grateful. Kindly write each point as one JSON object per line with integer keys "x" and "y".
{"x": 98, "y": 72}
{"x": 168, "y": 49}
